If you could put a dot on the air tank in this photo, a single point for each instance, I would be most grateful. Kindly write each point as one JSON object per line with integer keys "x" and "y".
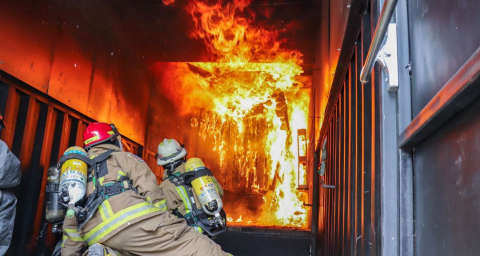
{"x": 54, "y": 210}
{"x": 204, "y": 188}
{"x": 73, "y": 181}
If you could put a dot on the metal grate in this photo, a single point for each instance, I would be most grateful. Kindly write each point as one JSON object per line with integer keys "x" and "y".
{"x": 38, "y": 131}
{"x": 349, "y": 216}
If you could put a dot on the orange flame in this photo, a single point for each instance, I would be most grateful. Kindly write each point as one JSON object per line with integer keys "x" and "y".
{"x": 252, "y": 106}
{"x": 233, "y": 38}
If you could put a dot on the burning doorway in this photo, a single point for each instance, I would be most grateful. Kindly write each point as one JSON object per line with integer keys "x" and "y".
{"x": 247, "y": 103}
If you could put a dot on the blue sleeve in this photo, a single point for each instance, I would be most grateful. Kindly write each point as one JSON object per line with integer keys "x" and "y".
{"x": 10, "y": 174}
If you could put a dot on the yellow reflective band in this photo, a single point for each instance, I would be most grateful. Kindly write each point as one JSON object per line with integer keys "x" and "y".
{"x": 70, "y": 230}
{"x": 149, "y": 199}
{"x": 117, "y": 220}
{"x": 121, "y": 174}
{"x": 102, "y": 212}
{"x": 101, "y": 180}
{"x": 198, "y": 229}
{"x": 92, "y": 139}
{"x": 72, "y": 235}
{"x": 109, "y": 207}
{"x": 183, "y": 194}
{"x": 105, "y": 210}
{"x": 111, "y": 132}
{"x": 162, "y": 204}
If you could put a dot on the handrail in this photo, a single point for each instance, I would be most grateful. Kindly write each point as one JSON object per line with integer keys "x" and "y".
{"x": 382, "y": 26}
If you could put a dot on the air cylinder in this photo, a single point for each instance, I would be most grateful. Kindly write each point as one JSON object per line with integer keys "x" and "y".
{"x": 204, "y": 188}
{"x": 73, "y": 181}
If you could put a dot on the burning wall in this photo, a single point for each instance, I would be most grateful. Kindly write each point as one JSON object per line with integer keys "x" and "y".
{"x": 246, "y": 104}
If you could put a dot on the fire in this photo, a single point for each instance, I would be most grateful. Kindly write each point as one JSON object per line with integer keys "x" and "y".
{"x": 239, "y": 219}
{"x": 249, "y": 103}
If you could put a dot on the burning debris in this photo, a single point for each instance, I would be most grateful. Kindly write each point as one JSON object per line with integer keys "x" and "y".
{"x": 248, "y": 101}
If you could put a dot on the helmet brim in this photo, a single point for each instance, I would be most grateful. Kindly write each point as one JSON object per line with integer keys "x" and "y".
{"x": 182, "y": 154}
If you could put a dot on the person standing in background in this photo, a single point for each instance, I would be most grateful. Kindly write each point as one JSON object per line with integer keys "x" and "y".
{"x": 10, "y": 176}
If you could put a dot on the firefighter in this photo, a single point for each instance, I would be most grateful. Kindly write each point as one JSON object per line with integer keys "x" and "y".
{"x": 178, "y": 191}
{"x": 125, "y": 208}
{"x": 10, "y": 177}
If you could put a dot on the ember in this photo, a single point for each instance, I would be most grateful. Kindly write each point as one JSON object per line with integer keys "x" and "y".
{"x": 249, "y": 103}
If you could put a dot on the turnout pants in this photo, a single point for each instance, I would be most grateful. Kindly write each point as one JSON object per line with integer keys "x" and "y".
{"x": 151, "y": 237}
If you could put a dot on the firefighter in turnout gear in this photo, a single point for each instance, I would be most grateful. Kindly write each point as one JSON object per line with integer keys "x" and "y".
{"x": 125, "y": 209}
{"x": 10, "y": 176}
{"x": 177, "y": 186}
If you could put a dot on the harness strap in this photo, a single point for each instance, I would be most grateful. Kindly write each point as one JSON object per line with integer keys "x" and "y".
{"x": 65, "y": 158}
{"x": 101, "y": 192}
{"x": 188, "y": 177}
{"x": 117, "y": 187}
{"x": 102, "y": 157}
{"x": 190, "y": 221}
{"x": 177, "y": 181}
{"x": 52, "y": 187}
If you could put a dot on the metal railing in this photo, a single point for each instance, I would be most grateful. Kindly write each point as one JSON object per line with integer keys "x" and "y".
{"x": 382, "y": 26}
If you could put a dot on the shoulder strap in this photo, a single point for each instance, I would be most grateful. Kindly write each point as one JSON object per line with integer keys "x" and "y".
{"x": 65, "y": 158}
{"x": 188, "y": 177}
{"x": 102, "y": 165}
{"x": 177, "y": 181}
{"x": 102, "y": 157}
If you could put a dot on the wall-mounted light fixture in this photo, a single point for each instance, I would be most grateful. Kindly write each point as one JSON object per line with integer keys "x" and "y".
{"x": 302, "y": 159}
{"x": 323, "y": 166}
{"x": 323, "y": 159}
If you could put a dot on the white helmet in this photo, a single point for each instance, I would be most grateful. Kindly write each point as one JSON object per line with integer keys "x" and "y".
{"x": 169, "y": 151}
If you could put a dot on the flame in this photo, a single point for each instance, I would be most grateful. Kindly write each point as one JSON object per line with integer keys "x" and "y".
{"x": 168, "y": 2}
{"x": 249, "y": 103}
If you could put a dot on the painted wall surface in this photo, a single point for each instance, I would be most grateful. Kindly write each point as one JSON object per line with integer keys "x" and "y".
{"x": 93, "y": 56}
{"x": 446, "y": 188}
{"x": 58, "y": 56}
{"x": 441, "y": 24}
{"x": 329, "y": 38}
{"x": 320, "y": 86}
{"x": 339, "y": 10}
{"x": 445, "y": 168}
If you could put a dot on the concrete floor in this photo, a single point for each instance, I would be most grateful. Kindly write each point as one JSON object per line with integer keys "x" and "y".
{"x": 264, "y": 242}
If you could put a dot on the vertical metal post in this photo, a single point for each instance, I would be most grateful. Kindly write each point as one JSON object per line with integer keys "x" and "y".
{"x": 315, "y": 203}
{"x": 404, "y": 94}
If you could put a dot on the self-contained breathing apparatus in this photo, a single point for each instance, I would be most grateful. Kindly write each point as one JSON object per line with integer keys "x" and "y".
{"x": 85, "y": 208}
{"x": 211, "y": 217}
{"x": 54, "y": 210}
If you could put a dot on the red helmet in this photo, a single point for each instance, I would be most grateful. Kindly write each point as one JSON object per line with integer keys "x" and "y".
{"x": 97, "y": 133}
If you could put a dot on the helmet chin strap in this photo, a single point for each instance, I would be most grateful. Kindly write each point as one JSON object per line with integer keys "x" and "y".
{"x": 170, "y": 168}
{"x": 119, "y": 143}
